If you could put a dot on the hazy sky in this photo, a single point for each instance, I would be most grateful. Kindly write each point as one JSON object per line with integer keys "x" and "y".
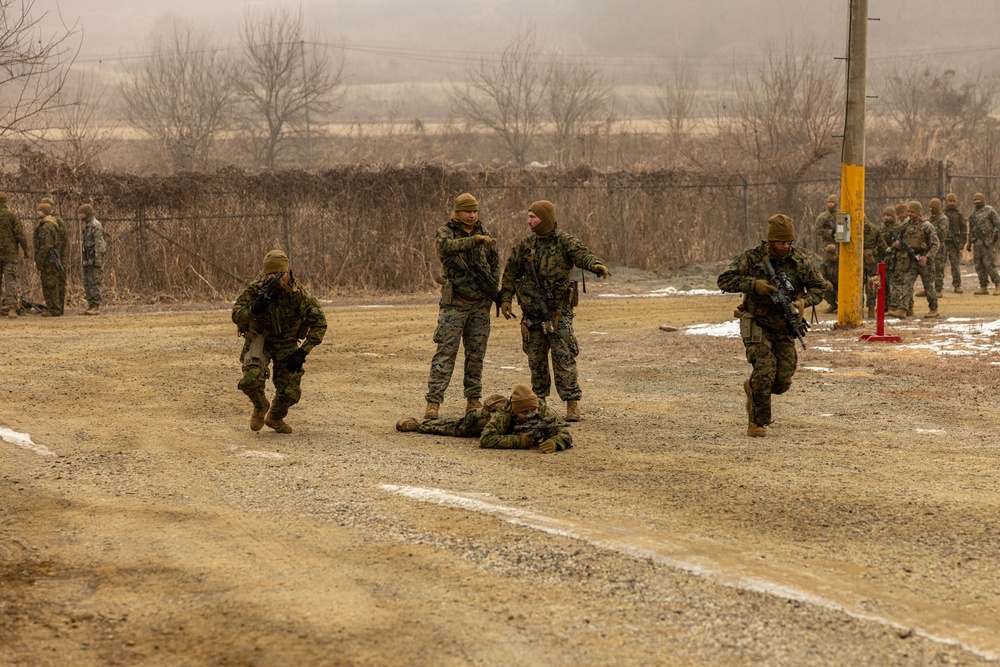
{"x": 430, "y": 34}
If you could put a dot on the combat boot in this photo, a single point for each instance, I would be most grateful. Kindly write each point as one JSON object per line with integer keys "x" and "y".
{"x": 832, "y": 308}
{"x": 472, "y": 404}
{"x": 996, "y": 290}
{"x": 755, "y": 431}
{"x": 871, "y": 312}
{"x": 278, "y": 425}
{"x": 12, "y": 313}
{"x": 897, "y": 312}
{"x": 257, "y": 416}
{"x": 958, "y": 289}
{"x": 93, "y": 310}
{"x": 407, "y": 425}
{"x": 572, "y": 411}
{"x": 431, "y": 411}
{"x": 982, "y": 290}
{"x": 48, "y": 313}
{"x": 932, "y": 314}
{"x": 909, "y": 312}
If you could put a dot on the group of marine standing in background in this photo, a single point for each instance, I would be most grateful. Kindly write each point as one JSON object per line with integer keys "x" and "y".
{"x": 911, "y": 246}
{"x": 50, "y": 241}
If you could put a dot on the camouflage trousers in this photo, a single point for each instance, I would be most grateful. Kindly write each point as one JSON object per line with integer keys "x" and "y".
{"x": 773, "y": 368}
{"x": 287, "y": 385}
{"x": 468, "y": 325}
{"x": 939, "y": 261}
{"x": 904, "y": 278}
{"x": 953, "y": 255}
{"x": 8, "y": 282}
{"x": 985, "y": 258}
{"x": 468, "y": 426}
{"x": 50, "y": 288}
{"x": 830, "y": 296}
{"x": 562, "y": 346}
{"x": 93, "y": 281}
{"x": 62, "y": 291}
{"x": 871, "y": 295}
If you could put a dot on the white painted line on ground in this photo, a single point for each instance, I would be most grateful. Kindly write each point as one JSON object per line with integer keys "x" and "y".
{"x": 817, "y": 369}
{"x": 731, "y": 567}
{"x": 251, "y": 454}
{"x": 23, "y": 440}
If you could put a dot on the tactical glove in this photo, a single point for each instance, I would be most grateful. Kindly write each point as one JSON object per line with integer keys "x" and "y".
{"x": 482, "y": 239}
{"x": 505, "y": 309}
{"x": 800, "y": 305}
{"x": 525, "y": 440}
{"x": 547, "y": 446}
{"x": 295, "y": 360}
{"x": 763, "y": 288}
{"x": 601, "y": 270}
{"x": 259, "y": 306}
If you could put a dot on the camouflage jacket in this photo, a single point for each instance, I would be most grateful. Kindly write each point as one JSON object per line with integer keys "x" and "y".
{"x": 826, "y": 225}
{"x": 958, "y": 230}
{"x": 46, "y": 238}
{"x": 942, "y": 227}
{"x": 874, "y": 244}
{"x": 94, "y": 245}
{"x": 830, "y": 272}
{"x": 984, "y": 226}
{"x": 11, "y": 235}
{"x": 290, "y": 317}
{"x": 499, "y": 430}
{"x": 62, "y": 230}
{"x": 921, "y": 236}
{"x": 554, "y": 256}
{"x": 457, "y": 254}
{"x": 887, "y": 236}
{"x": 808, "y": 284}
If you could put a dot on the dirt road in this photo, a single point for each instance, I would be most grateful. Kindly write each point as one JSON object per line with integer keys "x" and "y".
{"x": 145, "y": 524}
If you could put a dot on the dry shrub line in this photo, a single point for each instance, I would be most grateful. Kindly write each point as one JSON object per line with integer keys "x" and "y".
{"x": 371, "y": 228}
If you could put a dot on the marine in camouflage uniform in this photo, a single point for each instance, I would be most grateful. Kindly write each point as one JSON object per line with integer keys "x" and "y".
{"x": 46, "y": 239}
{"x": 94, "y": 247}
{"x": 770, "y": 346}
{"x": 11, "y": 237}
{"x": 469, "y": 425}
{"x": 471, "y": 272}
{"x": 887, "y": 236}
{"x": 942, "y": 226}
{"x": 552, "y": 253}
{"x": 273, "y": 328}
{"x": 872, "y": 251}
{"x": 958, "y": 234}
{"x": 522, "y": 406}
{"x": 62, "y": 228}
{"x": 984, "y": 230}
{"x": 830, "y": 270}
{"x": 921, "y": 236}
{"x": 826, "y": 226}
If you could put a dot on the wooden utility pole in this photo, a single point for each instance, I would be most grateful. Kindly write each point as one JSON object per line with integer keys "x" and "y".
{"x": 850, "y": 288}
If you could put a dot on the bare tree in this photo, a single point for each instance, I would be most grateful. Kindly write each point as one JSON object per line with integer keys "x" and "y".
{"x": 33, "y": 67}
{"x": 179, "y": 95}
{"x": 278, "y": 88}
{"x": 506, "y": 95}
{"x": 784, "y": 116}
{"x": 577, "y": 96}
{"x": 676, "y": 98}
{"x": 82, "y": 124}
{"x": 932, "y": 112}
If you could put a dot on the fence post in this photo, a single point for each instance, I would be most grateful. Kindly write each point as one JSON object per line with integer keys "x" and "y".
{"x": 286, "y": 213}
{"x": 746, "y": 208}
{"x": 143, "y": 259}
{"x": 941, "y": 180}
{"x": 624, "y": 229}
{"x": 947, "y": 178}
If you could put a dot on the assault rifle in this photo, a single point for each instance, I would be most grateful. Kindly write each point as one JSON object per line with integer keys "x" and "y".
{"x": 480, "y": 277}
{"x": 31, "y": 305}
{"x": 540, "y": 297}
{"x": 271, "y": 284}
{"x": 906, "y": 246}
{"x": 979, "y": 236}
{"x": 797, "y": 324}
{"x": 53, "y": 257}
{"x": 541, "y": 429}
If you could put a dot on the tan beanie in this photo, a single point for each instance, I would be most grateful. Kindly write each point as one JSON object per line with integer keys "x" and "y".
{"x": 780, "y": 228}
{"x": 979, "y": 197}
{"x": 831, "y": 249}
{"x": 49, "y": 200}
{"x": 900, "y": 209}
{"x": 832, "y": 199}
{"x": 275, "y": 261}
{"x": 934, "y": 204}
{"x": 545, "y": 210}
{"x": 85, "y": 209}
{"x": 914, "y": 207}
{"x": 951, "y": 197}
{"x": 889, "y": 211}
{"x": 45, "y": 209}
{"x": 466, "y": 202}
{"x": 523, "y": 399}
